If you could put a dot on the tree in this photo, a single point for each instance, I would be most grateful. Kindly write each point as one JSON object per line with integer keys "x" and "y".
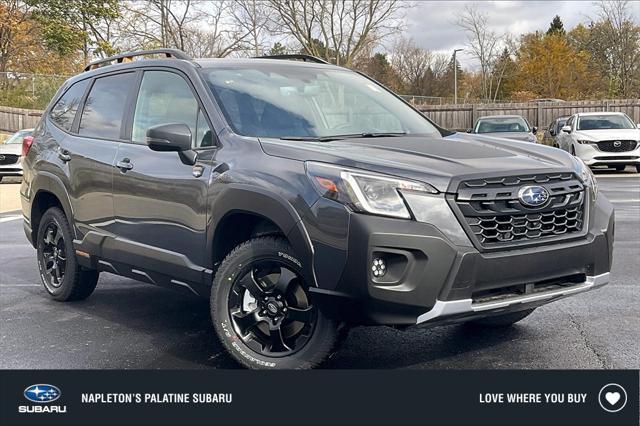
{"x": 411, "y": 63}
{"x": 556, "y": 26}
{"x": 201, "y": 29}
{"x": 252, "y": 17}
{"x": 550, "y": 67}
{"x": 616, "y": 39}
{"x": 346, "y": 28}
{"x": 277, "y": 49}
{"x": 70, "y": 25}
{"x": 482, "y": 43}
{"x": 379, "y": 68}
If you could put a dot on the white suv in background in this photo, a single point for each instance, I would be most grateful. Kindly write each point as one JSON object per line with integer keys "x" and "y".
{"x": 602, "y": 139}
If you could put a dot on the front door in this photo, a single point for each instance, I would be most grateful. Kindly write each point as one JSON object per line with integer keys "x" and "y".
{"x": 159, "y": 200}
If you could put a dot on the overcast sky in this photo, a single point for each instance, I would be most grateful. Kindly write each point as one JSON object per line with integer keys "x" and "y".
{"x": 432, "y": 23}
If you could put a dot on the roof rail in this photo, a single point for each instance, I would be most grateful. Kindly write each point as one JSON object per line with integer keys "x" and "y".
{"x": 128, "y": 56}
{"x": 300, "y": 57}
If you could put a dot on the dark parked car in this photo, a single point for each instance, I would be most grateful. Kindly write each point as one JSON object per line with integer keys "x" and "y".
{"x": 301, "y": 198}
{"x": 552, "y": 132}
{"x": 513, "y": 127}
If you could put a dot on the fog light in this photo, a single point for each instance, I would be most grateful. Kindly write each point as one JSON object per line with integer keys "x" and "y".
{"x": 378, "y": 267}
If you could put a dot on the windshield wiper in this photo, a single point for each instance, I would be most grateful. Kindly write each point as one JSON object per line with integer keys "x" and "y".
{"x": 340, "y": 137}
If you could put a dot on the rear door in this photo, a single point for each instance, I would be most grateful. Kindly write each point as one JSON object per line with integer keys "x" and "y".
{"x": 90, "y": 149}
{"x": 159, "y": 200}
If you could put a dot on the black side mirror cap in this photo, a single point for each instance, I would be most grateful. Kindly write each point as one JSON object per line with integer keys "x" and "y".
{"x": 534, "y": 129}
{"x": 169, "y": 137}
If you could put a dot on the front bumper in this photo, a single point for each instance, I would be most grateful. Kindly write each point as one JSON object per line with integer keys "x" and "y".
{"x": 464, "y": 309}
{"x": 592, "y": 156}
{"x": 440, "y": 280}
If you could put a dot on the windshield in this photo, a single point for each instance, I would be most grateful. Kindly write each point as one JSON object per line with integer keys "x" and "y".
{"x": 604, "y": 122}
{"x": 283, "y": 101}
{"x": 17, "y": 137}
{"x": 501, "y": 125}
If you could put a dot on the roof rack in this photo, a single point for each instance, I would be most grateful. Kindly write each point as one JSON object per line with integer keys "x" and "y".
{"x": 128, "y": 57}
{"x": 300, "y": 57}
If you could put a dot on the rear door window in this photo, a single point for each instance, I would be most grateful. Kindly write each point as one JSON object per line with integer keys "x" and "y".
{"x": 64, "y": 111}
{"x": 104, "y": 108}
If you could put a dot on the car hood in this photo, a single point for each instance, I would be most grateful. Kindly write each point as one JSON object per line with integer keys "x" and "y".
{"x": 14, "y": 148}
{"x": 609, "y": 134}
{"x": 518, "y": 136}
{"x": 434, "y": 160}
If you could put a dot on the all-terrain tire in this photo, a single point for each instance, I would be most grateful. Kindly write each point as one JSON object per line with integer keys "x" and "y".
{"x": 76, "y": 283}
{"x": 326, "y": 332}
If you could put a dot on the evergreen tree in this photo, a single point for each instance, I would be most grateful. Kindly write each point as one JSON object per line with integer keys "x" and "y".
{"x": 556, "y": 26}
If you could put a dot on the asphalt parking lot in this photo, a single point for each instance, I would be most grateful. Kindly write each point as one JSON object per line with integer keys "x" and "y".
{"x": 127, "y": 324}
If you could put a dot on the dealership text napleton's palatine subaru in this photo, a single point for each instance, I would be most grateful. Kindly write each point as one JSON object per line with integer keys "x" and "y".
{"x": 302, "y": 198}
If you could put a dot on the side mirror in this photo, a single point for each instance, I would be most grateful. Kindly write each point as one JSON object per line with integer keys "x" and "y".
{"x": 552, "y": 132}
{"x": 534, "y": 129}
{"x": 169, "y": 137}
{"x": 566, "y": 129}
{"x": 469, "y": 130}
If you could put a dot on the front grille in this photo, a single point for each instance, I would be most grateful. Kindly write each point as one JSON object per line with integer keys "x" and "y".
{"x": 617, "y": 146}
{"x": 496, "y": 218}
{"x": 8, "y": 159}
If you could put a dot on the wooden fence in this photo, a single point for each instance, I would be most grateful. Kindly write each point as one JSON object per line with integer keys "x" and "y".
{"x": 14, "y": 119}
{"x": 540, "y": 114}
{"x": 456, "y": 117}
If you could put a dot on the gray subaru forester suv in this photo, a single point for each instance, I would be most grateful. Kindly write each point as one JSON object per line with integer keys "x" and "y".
{"x": 302, "y": 198}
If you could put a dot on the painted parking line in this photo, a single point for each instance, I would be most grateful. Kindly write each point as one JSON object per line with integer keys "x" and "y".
{"x": 10, "y": 218}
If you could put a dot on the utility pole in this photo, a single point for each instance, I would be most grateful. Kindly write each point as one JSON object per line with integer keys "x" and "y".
{"x": 455, "y": 76}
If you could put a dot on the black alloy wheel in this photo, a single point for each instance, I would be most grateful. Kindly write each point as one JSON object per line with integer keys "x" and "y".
{"x": 54, "y": 255}
{"x": 63, "y": 278}
{"x": 263, "y": 312}
{"x": 270, "y": 310}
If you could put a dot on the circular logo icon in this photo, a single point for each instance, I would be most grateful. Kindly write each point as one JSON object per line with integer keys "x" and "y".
{"x": 617, "y": 144}
{"x": 612, "y": 397}
{"x": 2, "y": 157}
{"x": 533, "y": 196}
{"x": 42, "y": 393}
{"x": 272, "y": 307}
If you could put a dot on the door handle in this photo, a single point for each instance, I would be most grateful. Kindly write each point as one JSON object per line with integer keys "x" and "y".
{"x": 124, "y": 165}
{"x": 64, "y": 155}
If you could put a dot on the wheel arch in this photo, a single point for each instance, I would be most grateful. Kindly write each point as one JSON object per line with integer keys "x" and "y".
{"x": 48, "y": 191}
{"x": 256, "y": 211}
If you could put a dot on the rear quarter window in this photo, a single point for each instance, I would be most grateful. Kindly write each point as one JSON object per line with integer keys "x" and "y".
{"x": 64, "y": 110}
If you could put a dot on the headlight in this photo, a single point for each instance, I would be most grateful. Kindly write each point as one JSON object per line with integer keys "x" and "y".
{"x": 363, "y": 191}
{"x": 582, "y": 141}
{"x": 586, "y": 176}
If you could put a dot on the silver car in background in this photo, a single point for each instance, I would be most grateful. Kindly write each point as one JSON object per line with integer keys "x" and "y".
{"x": 513, "y": 127}
{"x": 10, "y": 154}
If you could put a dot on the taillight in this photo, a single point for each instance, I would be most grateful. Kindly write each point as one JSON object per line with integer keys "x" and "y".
{"x": 26, "y": 145}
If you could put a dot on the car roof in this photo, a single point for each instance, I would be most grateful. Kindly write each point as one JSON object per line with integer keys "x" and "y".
{"x": 257, "y": 62}
{"x": 500, "y": 116}
{"x": 599, "y": 113}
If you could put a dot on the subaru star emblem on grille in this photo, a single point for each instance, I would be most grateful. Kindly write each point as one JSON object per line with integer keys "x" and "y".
{"x": 42, "y": 393}
{"x": 617, "y": 144}
{"x": 533, "y": 196}
{"x": 1, "y": 157}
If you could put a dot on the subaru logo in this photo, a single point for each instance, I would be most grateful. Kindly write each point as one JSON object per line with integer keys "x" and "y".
{"x": 42, "y": 393}
{"x": 533, "y": 196}
{"x": 2, "y": 157}
{"x": 617, "y": 144}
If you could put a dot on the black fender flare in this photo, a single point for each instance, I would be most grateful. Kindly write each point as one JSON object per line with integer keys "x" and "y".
{"x": 239, "y": 198}
{"x": 48, "y": 182}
